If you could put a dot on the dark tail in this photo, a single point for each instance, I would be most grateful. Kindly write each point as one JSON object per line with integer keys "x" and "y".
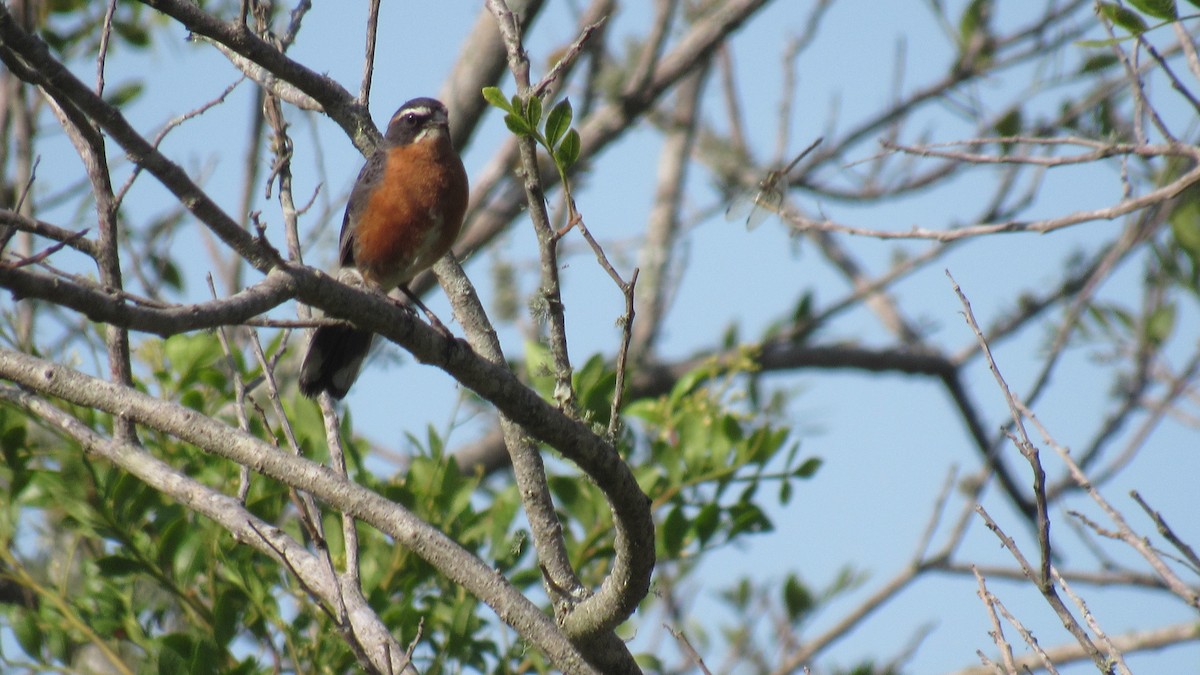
{"x": 335, "y": 353}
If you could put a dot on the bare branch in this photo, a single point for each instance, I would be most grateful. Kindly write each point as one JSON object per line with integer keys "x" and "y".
{"x": 990, "y": 602}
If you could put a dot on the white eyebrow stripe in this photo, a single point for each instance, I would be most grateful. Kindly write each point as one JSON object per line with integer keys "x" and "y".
{"x": 422, "y": 111}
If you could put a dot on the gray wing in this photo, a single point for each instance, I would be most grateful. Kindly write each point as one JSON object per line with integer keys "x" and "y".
{"x": 360, "y": 194}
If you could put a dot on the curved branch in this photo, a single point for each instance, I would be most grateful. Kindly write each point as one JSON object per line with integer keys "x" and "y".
{"x": 219, "y": 439}
{"x": 529, "y": 469}
{"x": 104, "y": 306}
{"x": 657, "y": 379}
{"x": 594, "y": 618}
{"x": 629, "y": 580}
{"x": 64, "y": 236}
{"x": 630, "y": 576}
{"x": 385, "y": 652}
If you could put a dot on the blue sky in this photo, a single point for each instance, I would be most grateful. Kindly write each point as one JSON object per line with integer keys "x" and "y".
{"x": 887, "y": 441}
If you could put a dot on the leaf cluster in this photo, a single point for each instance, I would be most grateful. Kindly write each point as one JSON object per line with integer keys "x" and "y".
{"x": 554, "y": 133}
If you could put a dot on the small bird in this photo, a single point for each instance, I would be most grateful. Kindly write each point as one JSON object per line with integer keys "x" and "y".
{"x": 404, "y": 213}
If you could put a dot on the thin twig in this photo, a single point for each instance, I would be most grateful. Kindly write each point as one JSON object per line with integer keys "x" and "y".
{"x": 295, "y": 17}
{"x": 1114, "y": 655}
{"x": 567, "y": 59}
{"x": 45, "y": 253}
{"x": 1028, "y": 637}
{"x": 1165, "y": 530}
{"x": 729, "y": 95}
{"x": 239, "y": 396}
{"x": 551, "y": 291}
{"x": 351, "y": 574}
{"x": 102, "y": 51}
{"x": 1048, "y": 592}
{"x": 1124, "y": 532}
{"x": 997, "y": 633}
{"x": 1024, "y": 445}
{"x": 626, "y": 323}
{"x": 1124, "y": 207}
{"x": 364, "y": 91}
{"x": 1141, "y": 105}
{"x": 688, "y": 649}
{"x": 643, "y": 69}
{"x": 171, "y": 125}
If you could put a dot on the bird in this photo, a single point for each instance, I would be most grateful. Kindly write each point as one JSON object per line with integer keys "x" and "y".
{"x": 404, "y": 213}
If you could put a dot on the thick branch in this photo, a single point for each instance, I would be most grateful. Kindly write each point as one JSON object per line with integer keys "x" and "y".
{"x": 338, "y": 103}
{"x": 31, "y": 60}
{"x": 219, "y": 439}
{"x": 528, "y": 468}
{"x": 105, "y": 306}
{"x": 232, "y": 515}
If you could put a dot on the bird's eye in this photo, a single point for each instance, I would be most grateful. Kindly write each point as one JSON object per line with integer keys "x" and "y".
{"x": 411, "y": 119}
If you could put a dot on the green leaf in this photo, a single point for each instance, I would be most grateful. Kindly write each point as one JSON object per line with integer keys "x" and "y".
{"x": 1159, "y": 9}
{"x": 566, "y": 489}
{"x": 193, "y": 358}
{"x": 595, "y": 384}
{"x": 1099, "y": 62}
{"x": 559, "y": 121}
{"x": 1123, "y": 17}
{"x": 785, "y": 491}
{"x": 180, "y": 547}
{"x": 117, "y": 566}
{"x": 847, "y": 579}
{"x": 697, "y": 444}
{"x": 131, "y": 499}
{"x": 1160, "y": 324}
{"x": 1009, "y": 125}
{"x": 763, "y": 443}
{"x": 690, "y": 381}
{"x": 65, "y": 6}
{"x": 133, "y": 32}
{"x": 14, "y": 444}
{"x": 646, "y": 409}
{"x": 227, "y": 615}
{"x": 169, "y": 274}
{"x": 495, "y": 98}
{"x": 568, "y": 152}
{"x": 1185, "y": 224}
{"x": 518, "y": 125}
{"x": 975, "y": 18}
{"x": 808, "y": 468}
{"x": 539, "y": 367}
{"x": 797, "y": 599}
{"x": 803, "y": 313}
{"x": 674, "y": 529}
{"x": 740, "y": 595}
{"x": 533, "y": 112}
{"x": 124, "y": 94}
{"x": 748, "y": 517}
{"x": 28, "y": 633}
{"x": 182, "y": 653}
{"x": 15, "y": 449}
{"x": 1101, "y": 44}
{"x": 706, "y": 522}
